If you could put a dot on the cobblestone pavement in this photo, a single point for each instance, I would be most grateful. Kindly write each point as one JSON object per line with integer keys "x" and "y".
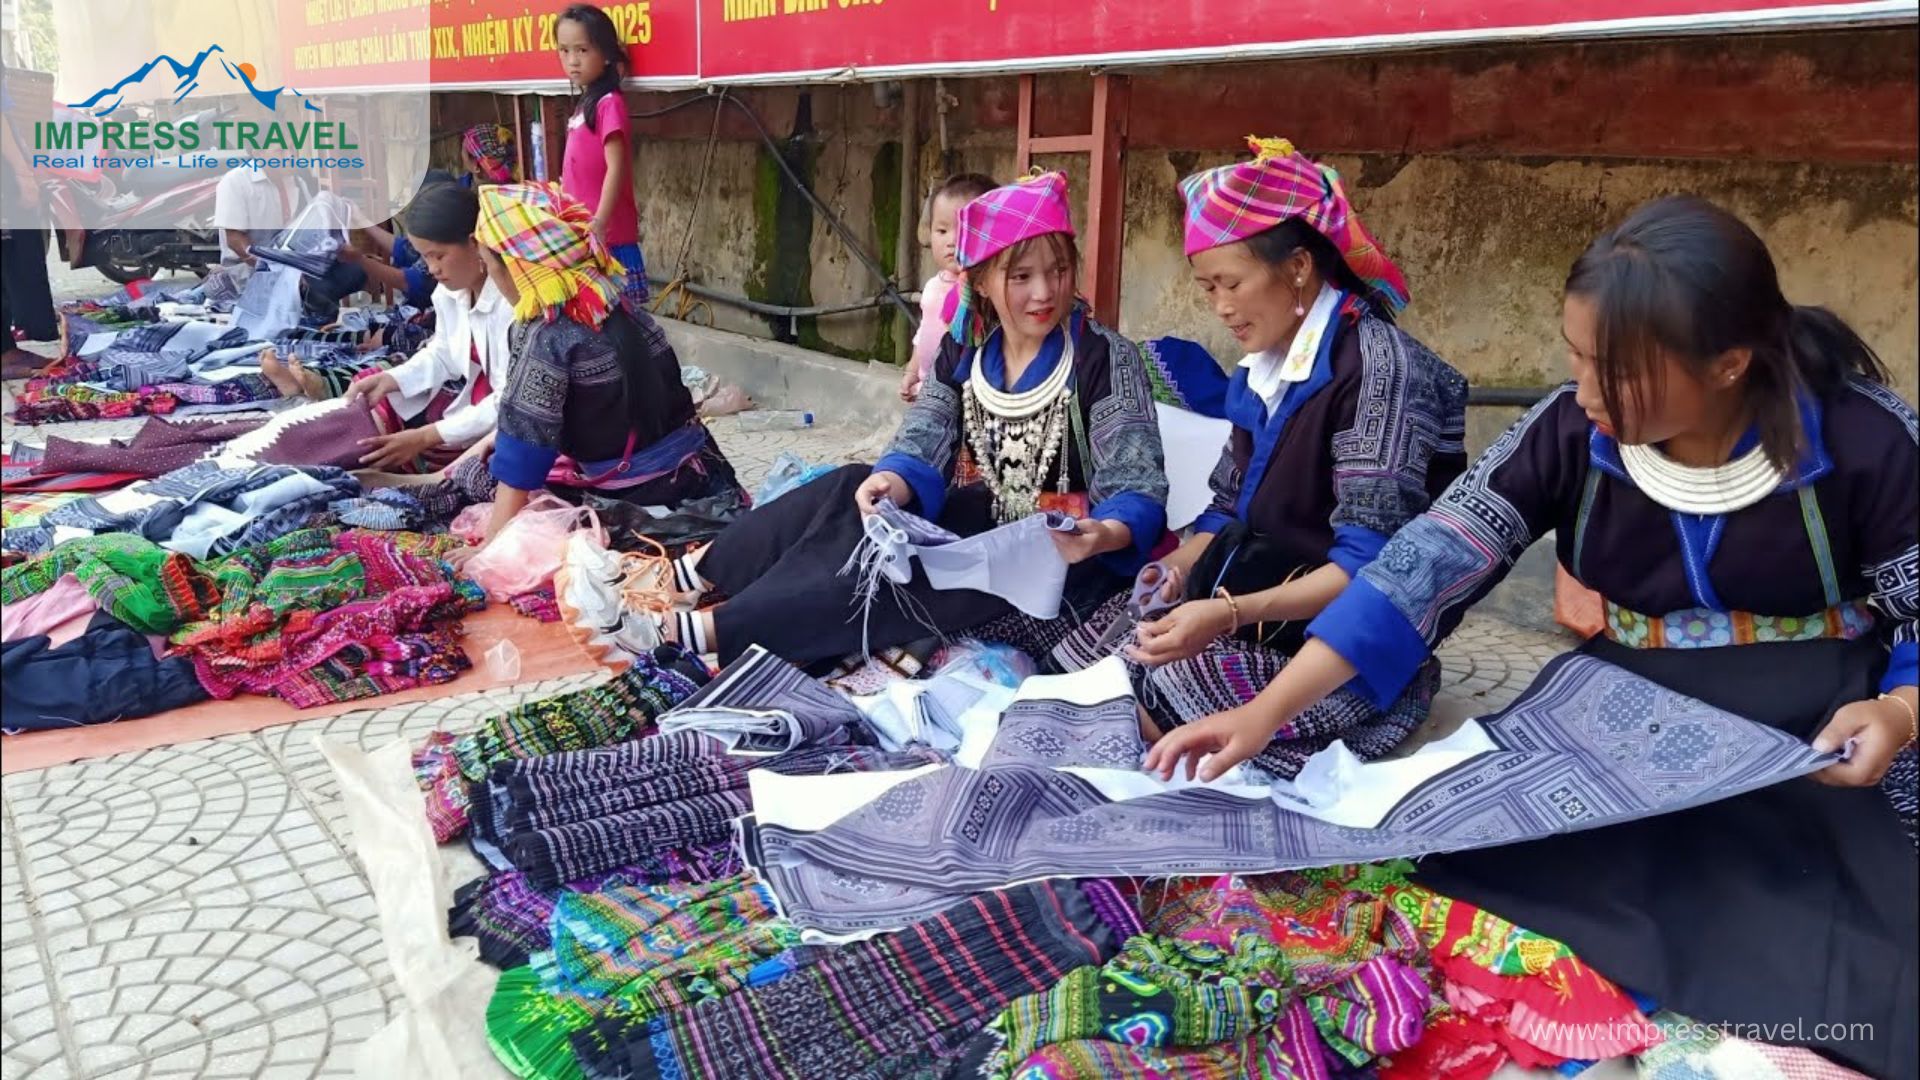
{"x": 196, "y": 910}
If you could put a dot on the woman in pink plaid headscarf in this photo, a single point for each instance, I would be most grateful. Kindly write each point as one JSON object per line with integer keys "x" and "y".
{"x": 1032, "y": 405}
{"x": 1343, "y": 428}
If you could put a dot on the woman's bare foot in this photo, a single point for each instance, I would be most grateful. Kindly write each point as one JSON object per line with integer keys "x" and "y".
{"x": 279, "y": 375}
{"x": 311, "y": 384}
{"x": 21, "y": 364}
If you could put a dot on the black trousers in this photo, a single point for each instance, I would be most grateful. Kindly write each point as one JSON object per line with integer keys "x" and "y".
{"x": 26, "y": 295}
{"x": 1792, "y": 906}
{"x": 780, "y": 568}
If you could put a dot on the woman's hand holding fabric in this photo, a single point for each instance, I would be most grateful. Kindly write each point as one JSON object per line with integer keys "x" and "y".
{"x": 1224, "y": 740}
{"x": 1878, "y": 730}
{"x": 1182, "y": 633}
{"x": 373, "y": 386}
{"x": 882, "y": 485}
{"x": 1090, "y": 537}
{"x": 401, "y": 448}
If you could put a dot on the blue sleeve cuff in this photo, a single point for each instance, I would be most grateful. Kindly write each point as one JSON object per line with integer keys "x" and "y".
{"x": 1370, "y": 633}
{"x": 1903, "y": 668}
{"x": 1212, "y": 521}
{"x": 1142, "y": 516}
{"x": 1354, "y": 546}
{"x": 929, "y": 487}
{"x": 520, "y": 464}
{"x": 420, "y": 286}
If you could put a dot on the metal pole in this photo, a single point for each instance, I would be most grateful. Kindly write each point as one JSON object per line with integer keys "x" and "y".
{"x": 908, "y": 240}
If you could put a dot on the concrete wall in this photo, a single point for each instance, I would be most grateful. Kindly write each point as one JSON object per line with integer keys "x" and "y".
{"x": 1484, "y": 172}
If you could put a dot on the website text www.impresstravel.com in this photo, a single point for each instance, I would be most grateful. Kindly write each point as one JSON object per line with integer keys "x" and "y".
{"x": 1782, "y": 1033}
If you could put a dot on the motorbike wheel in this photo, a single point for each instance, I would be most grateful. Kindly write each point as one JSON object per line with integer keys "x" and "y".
{"x": 121, "y": 271}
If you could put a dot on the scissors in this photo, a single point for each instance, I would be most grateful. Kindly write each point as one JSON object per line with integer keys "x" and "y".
{"x": 1146, "y": 603}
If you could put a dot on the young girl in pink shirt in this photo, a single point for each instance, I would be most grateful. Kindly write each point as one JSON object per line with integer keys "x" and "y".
{"x": 943, "y": 236}
{"x": 598, "y": 166}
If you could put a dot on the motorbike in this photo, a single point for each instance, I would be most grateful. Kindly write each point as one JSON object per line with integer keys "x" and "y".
{"x": 124, "y": 244}
{"x": 125, "y": 251}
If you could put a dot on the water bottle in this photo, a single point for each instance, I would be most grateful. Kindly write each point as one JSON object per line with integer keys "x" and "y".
{"x": 775, "y": 420}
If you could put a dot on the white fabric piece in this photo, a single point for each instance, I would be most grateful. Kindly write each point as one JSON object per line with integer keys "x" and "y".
{"x": 1120, "y": 785}
{"x": 1268, "y": 373}
{"x": 1337, "y": 787}
{"x": 934, "y": 712}
{"x": 1102, "y": 682}
{"x": 1018, "y": 563}
{"x": 95, "y": 344}
{"x": 231, "y": 361}
{"x": 1192, "y": 443}
{"x": 192, "y": 336}
{"x": 270, "y": 305}
{"x": 811, "y": 803}
{"x": 438, "y": 1030}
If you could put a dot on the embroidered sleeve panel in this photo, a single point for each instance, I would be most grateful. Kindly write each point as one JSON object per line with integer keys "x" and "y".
{"x": 1409, "y": 405}
{"x": 1878, "y": 441}
{"x": 1526, "y": 484}
{"x": 1123, "y": 427}
{"x": 1225, "y": 480}
{"x": 930, "y": 432}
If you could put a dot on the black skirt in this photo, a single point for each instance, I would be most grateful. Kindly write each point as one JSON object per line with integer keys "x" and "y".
{"x": 1787, "y": 913}
{"x": 780, "y": 569}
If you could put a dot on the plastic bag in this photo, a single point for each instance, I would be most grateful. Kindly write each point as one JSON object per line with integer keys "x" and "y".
{"x": 470, "y": 527}
{"x": 989, "y": 662}
{"x": 700, "y": 382}
{"x": 789, "y": 471}
{"x": 726, "y": 401}
{"x": 525, "y": 554}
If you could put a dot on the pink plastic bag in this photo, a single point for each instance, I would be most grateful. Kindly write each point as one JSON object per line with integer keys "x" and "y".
{"x": 470, "y": 527}
{"x": 525, "y": 554}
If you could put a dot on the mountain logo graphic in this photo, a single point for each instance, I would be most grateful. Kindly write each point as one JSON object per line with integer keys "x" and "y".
{"x": 187, "y": 79}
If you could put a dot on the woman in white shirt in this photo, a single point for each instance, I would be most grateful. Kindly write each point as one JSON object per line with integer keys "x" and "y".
{"x": 444, "y": 399}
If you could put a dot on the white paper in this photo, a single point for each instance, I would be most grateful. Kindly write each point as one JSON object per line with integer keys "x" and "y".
{"x": 1193, "y": 444}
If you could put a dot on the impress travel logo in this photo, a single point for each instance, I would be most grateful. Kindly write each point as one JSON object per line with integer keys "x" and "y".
{"x": 107, "y": 139}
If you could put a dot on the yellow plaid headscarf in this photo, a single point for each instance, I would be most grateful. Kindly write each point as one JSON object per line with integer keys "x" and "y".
{"x": 556, "y": 262}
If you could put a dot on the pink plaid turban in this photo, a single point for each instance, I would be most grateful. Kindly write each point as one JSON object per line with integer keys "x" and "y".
{"x": 1234, "y": 202}
{"x": 1007, "y": 215}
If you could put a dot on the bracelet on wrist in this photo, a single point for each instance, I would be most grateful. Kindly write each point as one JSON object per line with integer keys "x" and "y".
{"x": 1233, "y": 607}
{"x": 1913, "y": 718}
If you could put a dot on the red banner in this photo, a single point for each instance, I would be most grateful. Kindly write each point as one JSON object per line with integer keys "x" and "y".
{"x": 506, "y": 44}
{"x": 479, "y": 44}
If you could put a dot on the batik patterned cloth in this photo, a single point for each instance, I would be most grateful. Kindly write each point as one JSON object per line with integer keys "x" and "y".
{"x": 1695, "y": 1051}
{"x": 1572, "y": 753}
{"x": 1234, "y": 202}
{"x": 568, "y": 816}
{"x": 556, "y": 262}
{"x": 1231, "y": 671}
{"x": 578, "y": 720}
{"x": 898, "y": 1005}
